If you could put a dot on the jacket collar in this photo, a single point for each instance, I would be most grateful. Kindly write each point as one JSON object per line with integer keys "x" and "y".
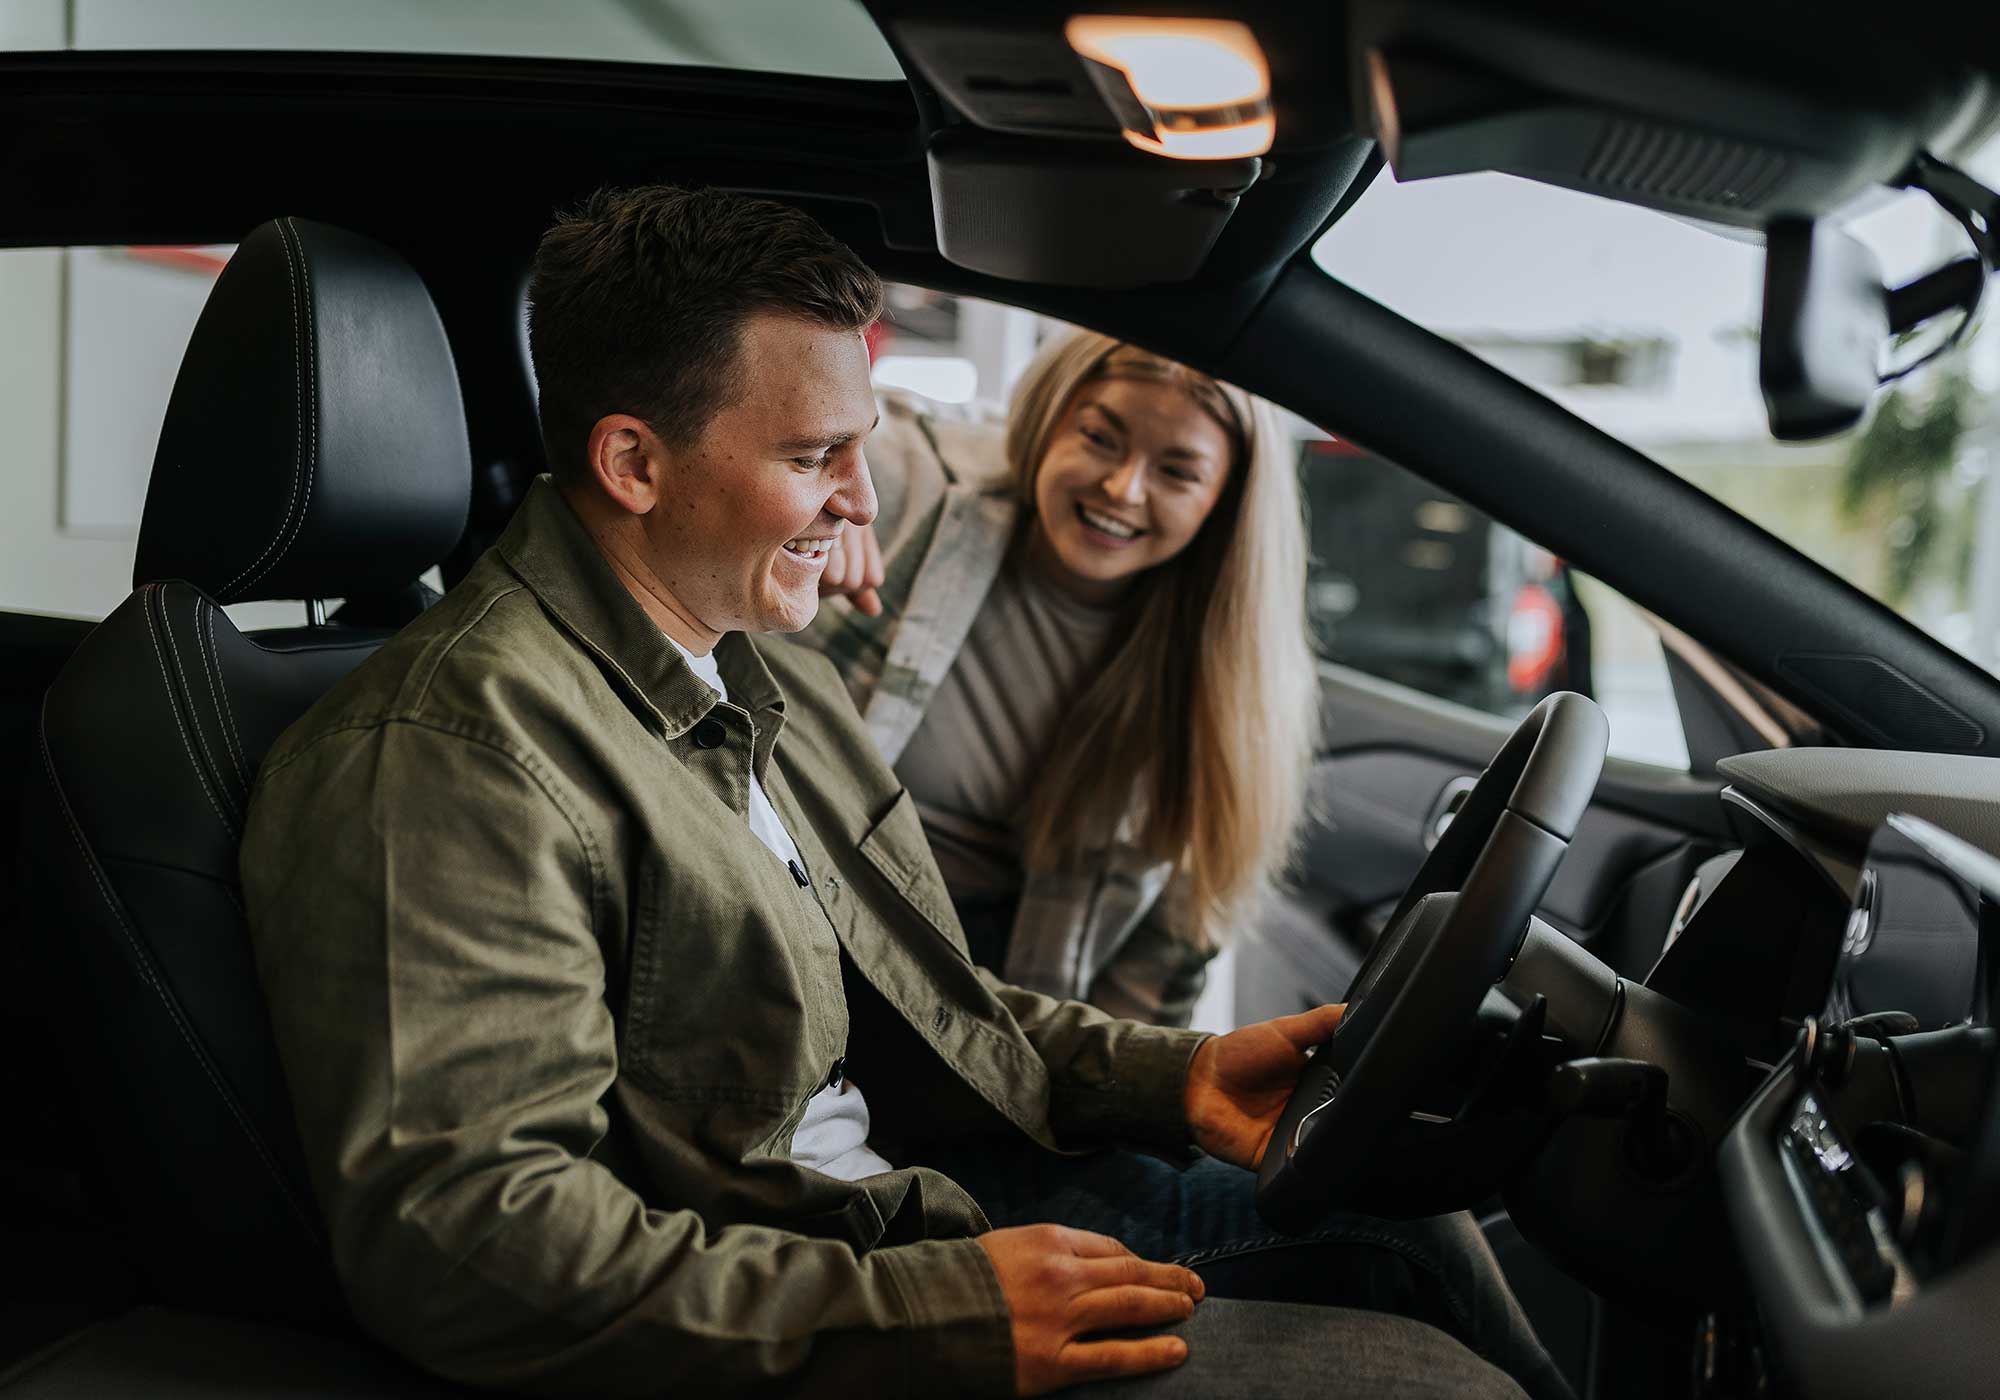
{"x": 551, "y": 552}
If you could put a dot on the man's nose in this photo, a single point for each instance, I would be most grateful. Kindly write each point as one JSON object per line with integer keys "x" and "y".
{"x": 854, "y": 501}
{"x": 1128, "y": 483}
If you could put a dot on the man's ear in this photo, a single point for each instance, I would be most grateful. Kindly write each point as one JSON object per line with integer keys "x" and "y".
{"x": 627, "y": 460}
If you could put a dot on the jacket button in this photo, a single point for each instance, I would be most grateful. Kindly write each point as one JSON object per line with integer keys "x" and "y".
{"x": 710, "y": 734}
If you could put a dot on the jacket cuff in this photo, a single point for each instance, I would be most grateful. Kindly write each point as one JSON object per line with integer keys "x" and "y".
{"x": 1144, "y": 1103}
{"x": 961, "y": 1334}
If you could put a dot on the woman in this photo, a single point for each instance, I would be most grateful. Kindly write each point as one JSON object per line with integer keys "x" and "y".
{"x": 1081, "y": 642}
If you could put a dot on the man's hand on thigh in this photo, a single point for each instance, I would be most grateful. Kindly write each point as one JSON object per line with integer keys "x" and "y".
{"x": 1064, "y": 1286}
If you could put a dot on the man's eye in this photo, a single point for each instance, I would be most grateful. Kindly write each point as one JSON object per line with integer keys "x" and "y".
{"x": 811, "y": 464}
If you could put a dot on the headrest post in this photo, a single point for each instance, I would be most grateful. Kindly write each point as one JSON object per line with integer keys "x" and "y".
{"x": 316, "y": 612}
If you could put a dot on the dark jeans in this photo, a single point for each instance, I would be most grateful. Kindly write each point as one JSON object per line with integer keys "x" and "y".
{"x": 1437, "y": 1271}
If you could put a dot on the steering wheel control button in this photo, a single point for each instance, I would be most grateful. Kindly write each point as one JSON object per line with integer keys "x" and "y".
{"x": 710, "y": 734}
{"x": 1308, "y": 1123}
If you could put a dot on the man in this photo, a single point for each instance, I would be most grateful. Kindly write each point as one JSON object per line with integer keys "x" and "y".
{"x": 617, "y": 991}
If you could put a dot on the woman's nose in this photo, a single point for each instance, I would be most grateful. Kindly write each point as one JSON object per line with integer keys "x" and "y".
{"x": 1128, "y": 483}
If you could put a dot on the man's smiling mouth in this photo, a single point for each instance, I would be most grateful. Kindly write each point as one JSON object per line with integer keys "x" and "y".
{"x": 810, "y": 550}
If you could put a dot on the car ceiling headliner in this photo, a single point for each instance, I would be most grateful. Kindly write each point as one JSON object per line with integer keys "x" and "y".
{"x": 197, "y": 146}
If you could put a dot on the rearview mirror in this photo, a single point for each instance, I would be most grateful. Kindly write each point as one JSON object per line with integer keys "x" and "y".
{"x": 1826, "y": 325}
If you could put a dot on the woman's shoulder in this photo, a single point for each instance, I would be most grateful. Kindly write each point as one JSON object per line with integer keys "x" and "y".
{"x": 922, "y": 441}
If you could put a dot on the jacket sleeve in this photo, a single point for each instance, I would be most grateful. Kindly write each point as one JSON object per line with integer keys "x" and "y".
{"x": 1110, "y": 1080}
{"x": 426, "y": 908}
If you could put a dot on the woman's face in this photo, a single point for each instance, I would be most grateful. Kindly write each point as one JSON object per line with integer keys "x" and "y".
{"x": 1132, "y": 470}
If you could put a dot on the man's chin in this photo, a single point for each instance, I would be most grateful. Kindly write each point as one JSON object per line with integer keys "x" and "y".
{"x": 789, "y": 616}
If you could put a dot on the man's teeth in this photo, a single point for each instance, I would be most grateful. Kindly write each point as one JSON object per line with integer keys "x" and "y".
{"x": 810, "y": 549}
{"x": 1108, "y": 525}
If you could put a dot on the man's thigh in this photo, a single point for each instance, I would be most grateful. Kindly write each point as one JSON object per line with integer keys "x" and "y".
{"x": 1239, "y": 1348}
{"x": 1438, "y": 1271}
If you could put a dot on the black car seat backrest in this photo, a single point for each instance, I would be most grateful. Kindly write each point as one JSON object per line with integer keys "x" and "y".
{"x": 314, "y": 448}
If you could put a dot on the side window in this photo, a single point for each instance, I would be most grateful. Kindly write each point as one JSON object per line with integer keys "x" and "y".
{"x": 94, "y": 339}
{"x": 1408, "y": 583}
{"x": 1412, "y": 585}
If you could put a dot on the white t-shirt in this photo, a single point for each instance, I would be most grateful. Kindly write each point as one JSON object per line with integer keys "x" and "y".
{"x": 833, "y": 1136}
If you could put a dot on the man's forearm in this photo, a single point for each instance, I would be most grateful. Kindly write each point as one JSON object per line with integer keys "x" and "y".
{"x": 1111, "y": 1080}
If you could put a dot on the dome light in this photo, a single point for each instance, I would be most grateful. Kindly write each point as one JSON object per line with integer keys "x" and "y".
{"x": 1192, "y": 89}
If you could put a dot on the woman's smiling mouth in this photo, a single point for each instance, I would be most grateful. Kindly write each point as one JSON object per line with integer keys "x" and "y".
{"x": 1108, "y": 528}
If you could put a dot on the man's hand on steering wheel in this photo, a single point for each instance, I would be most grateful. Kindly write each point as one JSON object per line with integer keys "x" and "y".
{"x": 1240, "y": 1082}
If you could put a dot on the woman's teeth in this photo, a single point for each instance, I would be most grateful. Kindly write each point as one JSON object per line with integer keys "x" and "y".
{"x": 1115, "y": 528}
{"x": 809, "y": 549}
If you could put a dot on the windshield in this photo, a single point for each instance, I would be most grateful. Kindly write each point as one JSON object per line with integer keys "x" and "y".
{"x": 830, "y": 38}
{"x": 1647, "y": 326}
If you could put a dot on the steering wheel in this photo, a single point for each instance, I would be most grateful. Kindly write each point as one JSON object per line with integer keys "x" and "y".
{"x": 1453, "y": 935}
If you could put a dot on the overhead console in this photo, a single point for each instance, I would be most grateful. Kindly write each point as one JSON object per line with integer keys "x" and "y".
{"x": 1142, "y": 178}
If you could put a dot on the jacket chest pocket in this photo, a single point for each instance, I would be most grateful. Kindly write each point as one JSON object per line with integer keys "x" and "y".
{"x": 900, "y": 852}
{"x": 732, "y": 997}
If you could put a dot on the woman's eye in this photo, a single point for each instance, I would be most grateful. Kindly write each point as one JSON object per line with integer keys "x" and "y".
{"x": 1097, "y": 439}
{"x": 1181, "y": 474}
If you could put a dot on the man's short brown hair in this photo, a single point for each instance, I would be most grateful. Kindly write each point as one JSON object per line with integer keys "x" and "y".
{"x": 637, "y": 303}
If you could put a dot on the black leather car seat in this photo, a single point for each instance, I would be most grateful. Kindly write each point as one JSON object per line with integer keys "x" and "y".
{"x": 314, "y": 448}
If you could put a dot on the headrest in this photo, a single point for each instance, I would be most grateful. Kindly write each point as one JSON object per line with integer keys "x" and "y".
{"x": 314, "y": 446}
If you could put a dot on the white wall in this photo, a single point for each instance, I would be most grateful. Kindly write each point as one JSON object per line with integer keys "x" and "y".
{"x": 43, "y": 568}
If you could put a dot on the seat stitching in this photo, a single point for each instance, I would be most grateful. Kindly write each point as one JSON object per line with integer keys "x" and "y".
{"x": 311, "y": 344}
{"x": 144, "y": 961}
{"x": 298, "y": 418}
{"x": 194, "y": 719}
{"x": 241, "y": 755}
{"x": 168, "y": 682}
{"x": 208, "y": 672}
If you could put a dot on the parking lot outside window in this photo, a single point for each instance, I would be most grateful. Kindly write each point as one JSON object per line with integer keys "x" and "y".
{"x": 1412, "y": 585}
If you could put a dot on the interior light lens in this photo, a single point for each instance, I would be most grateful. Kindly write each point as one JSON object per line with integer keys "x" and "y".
{"x": 1198, "y": 89}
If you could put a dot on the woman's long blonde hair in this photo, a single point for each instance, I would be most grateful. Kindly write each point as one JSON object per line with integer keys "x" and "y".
{"x": 1196, "y": 736}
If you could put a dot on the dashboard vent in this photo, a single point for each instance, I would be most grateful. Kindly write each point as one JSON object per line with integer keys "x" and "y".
{"x": 1686, "y": 167}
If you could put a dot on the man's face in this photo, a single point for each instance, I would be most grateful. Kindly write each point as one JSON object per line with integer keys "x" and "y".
{"x": 746, "y": 514}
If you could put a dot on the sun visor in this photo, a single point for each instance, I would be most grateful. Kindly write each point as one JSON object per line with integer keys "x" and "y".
{"x": 1079, "y": 214}
{"x": 1109, "y": 158}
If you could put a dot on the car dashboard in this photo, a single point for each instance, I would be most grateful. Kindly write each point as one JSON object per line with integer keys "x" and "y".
{"x": 1862, "y": 1178}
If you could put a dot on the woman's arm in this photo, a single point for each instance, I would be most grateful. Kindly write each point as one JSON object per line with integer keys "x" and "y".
{"x": 1156, "y": 976}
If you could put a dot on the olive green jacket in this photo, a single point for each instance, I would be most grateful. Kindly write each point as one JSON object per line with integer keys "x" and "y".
{"x": 550, "y": 1012}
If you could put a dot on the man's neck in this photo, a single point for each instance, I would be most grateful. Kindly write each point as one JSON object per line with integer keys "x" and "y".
{"x": 617, "y": 541}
